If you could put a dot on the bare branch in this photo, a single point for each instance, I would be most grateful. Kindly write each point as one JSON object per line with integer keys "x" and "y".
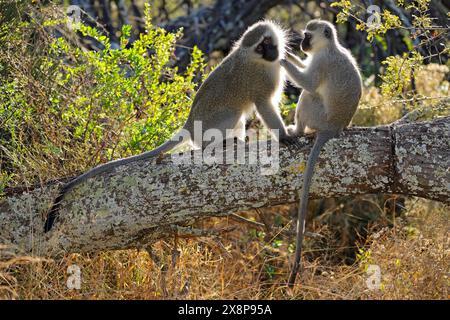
{"x": 140, "y": 203}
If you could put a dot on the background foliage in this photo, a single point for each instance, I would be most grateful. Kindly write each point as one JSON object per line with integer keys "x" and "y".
{"x": 65, "y": 108}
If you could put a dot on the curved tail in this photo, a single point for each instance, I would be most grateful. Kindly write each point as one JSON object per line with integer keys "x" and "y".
{"x": 53, "y": 213}
{"x": 321, "y": 138}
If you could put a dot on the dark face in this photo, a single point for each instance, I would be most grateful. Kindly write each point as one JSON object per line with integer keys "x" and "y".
{"x": 267, "y": 49}
{"x": 306, "y": 42}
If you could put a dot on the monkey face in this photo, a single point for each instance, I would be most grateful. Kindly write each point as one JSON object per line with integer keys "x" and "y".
{"x": 318, "y": 34}
{"x": 264, "y": 41}
{"x": 315, "y": 41}
{"x": 306, "y": 41}
{"x": 267, "y": 49}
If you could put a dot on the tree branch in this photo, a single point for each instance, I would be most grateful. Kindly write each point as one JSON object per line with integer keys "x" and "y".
{"x": 144, "y": 201}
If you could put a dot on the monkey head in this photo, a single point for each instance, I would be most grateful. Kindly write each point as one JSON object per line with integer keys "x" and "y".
{"x": 267, "y": 49}
{"x": 318, "y": 35}
{"x": 264, "y": 41}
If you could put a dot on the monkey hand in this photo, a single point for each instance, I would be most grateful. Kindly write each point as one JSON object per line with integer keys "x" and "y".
{"x": 289, "y": 140}
{"x": 292, "y": 130}
{"x": 283, "y": 63}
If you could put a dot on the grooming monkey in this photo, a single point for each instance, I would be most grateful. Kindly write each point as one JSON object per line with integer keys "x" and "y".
{"x": 331, "y": 86}
{"x": 250, "y": 76}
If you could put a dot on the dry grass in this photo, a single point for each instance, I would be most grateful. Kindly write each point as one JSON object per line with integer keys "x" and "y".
{"x": 413, "y": 256}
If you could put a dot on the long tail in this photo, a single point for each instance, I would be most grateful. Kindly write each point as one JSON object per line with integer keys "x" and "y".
{"x": 53, "y": 213}
{"x": 321, "y": 138}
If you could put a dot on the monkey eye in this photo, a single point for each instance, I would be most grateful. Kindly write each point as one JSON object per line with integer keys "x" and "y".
{"x": 259, "y": 48}
{"x": 267, "y": 41}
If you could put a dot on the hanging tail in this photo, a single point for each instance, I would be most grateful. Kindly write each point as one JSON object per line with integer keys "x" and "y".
{"x": 166, "y": 146}
{"x": 321, "y": 138}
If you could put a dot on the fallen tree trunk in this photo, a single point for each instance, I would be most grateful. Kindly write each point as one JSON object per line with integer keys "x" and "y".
{"x": 141, "y": 202}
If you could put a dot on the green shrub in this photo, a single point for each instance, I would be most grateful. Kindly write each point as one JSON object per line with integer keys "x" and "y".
{"x": 62, "y": 106}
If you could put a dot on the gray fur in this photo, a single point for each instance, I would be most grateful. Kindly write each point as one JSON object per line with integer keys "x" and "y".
{"x": 331, "y": 92}
{"x": 244, "y": 80}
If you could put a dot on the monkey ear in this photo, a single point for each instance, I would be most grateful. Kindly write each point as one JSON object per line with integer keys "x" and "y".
{"x": 327, "y": 32}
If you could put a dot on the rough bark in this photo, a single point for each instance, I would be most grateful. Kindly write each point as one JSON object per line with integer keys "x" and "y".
{"x": 145, "y": 201}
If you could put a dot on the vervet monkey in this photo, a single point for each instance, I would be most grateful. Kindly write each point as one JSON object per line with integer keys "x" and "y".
{"x": 332, "y": 86}
{"x": 250, "y": 76}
